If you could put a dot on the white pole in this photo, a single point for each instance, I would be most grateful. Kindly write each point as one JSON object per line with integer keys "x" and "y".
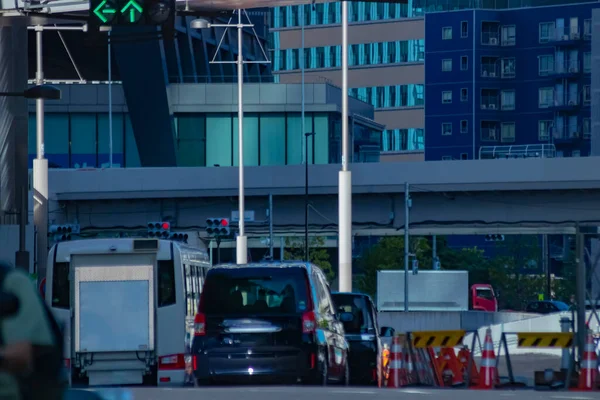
{"x": 241, "y": 242}
{"x": 110, "y": 113}
{"x": 345, "y": 176}
{"x": 40, "y": 169}
{"x": 302, "y": 114}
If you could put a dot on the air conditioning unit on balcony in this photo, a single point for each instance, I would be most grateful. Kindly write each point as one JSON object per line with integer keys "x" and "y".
{"x": 493, "y": 41}
{"x": 565, "y": 37}
{"x": 492, "y": 74}
{"x": 492, "y": 106}
{"x": 572, "y": 103}
{"x": 575, "y": 36}
{"x": 493, "y": 134}
{"x": 575, "y": 134}
{"x": 483, "y": 107}
{"x": 572, "y": 70}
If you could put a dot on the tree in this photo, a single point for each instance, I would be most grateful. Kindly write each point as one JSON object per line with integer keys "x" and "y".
{"x": 294, "y": 250}
{"x": 508, "y": 272}
{"x": 388, "y": 254}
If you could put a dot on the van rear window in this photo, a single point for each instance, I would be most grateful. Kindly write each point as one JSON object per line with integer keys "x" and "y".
{"x": 242, "y": 291}
{"x": 359, "y": 307}
{"x": 61, "y": 288}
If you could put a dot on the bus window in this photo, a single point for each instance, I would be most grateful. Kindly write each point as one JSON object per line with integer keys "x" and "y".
{"x": 188, "y": 291}
{"x": 199, "y": 281}
{"x": 166, "y": 282}
{"x": 61, "y": 289}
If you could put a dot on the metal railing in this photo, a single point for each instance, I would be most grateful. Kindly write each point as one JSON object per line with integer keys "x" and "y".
{"x": 517, "y": 151}
{"x": 562, "y": 34}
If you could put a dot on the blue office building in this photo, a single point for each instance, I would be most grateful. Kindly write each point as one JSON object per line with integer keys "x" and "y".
{"x": 512, "y": 82}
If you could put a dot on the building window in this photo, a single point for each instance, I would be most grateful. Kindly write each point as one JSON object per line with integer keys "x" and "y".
{"x": 546, "y": 31}
{"x": 447, "y": 33}
{"x": 508, "y": 100}
{"x": 508, "y": 37}
{"x": 489, "y": 131}
{"x": 587, "y": 94}
{"x": 464, "y": 63}
{"x": 545, "y": 97}
{"x": 446, "y": 129}
{"x": 447, "y": 65}
{"x": 489, "y": 66}
{"x": 464, "y": 29}
{"x": 587, "y": 62}
{"x": 464, "y": 156}
{"x": 508, "y": 132}
{"x": 587, "y": 125}
{"x": 587, "y": 29}
{"x": 546, "y": 64}
{"x": 447, "y": 97}
{"x": 544, "y": 128}
{"x": 464, "y": 126}
{"x": 508, "y": 68}
{"x": 464, "y": 94}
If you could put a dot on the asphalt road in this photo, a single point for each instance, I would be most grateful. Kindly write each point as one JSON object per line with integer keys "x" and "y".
{"x": 335, "y": 393}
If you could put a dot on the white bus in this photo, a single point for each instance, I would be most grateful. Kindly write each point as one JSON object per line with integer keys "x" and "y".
{"x": 127, "y": 308}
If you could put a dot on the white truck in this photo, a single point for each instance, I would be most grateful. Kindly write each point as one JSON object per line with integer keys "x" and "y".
{"x": 433, "y": 291}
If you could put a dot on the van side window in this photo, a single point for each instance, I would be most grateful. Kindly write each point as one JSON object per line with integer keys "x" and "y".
{"x": 166, "y": 283}
{"x": 61, "y": 288}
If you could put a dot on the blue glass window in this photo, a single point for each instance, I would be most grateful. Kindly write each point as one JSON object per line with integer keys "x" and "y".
{"x": 403, "y": 139}
{"x": 412, "y": 95}
{"x": 83, "y": 140}
{"x": 190, "y": 140}
{"x": 250, "y": 122}
{"x": 404, "y": 51}
{"x": 272, "y": 139}
{"x": 219, "y": 143}
{"x": 104, "y": 140}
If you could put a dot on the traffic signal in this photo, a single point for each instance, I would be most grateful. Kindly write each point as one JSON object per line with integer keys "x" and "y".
{"x": 159, "y": 230}
{"x": 217, "y": 227}
{"x": 494, "y": 238}
{"x": 179, "y": 237}
{"x": 63, "y": 232}
{"x": 132, "y": 12}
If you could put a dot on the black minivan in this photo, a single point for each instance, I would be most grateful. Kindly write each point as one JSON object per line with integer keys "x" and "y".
{"x": 268, "y": 321}
{"x": 359, "y": 316}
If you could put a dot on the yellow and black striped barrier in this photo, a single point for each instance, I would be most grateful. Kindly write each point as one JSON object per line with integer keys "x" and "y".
{"x": 424, "y": 339}
{"x": 545, "y": 339}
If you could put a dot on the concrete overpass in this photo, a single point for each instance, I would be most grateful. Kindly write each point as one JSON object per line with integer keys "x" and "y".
{"x": 448, "y": 197}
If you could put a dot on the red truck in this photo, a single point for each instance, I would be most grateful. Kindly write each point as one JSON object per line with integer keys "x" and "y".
{"x": 483, "y": 298}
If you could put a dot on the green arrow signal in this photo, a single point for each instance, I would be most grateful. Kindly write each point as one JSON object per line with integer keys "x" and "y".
{"x": 102, "y": 9}
{"x": 132, "y": 6}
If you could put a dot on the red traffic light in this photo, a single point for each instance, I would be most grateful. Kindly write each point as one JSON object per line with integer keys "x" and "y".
{"x": 166, "y": 225}
{"x": 224, "y": 222}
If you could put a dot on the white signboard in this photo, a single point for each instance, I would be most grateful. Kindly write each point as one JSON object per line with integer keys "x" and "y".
{"x": 248, "y": 216}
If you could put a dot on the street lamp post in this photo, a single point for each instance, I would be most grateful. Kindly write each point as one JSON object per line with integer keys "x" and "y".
{"x": 201, "y": 23}
{"x": 40, "y": 164}
{"x": 306, "y": 244}
{"x": 38, "y": 92}
{"x": 345, "y": 176}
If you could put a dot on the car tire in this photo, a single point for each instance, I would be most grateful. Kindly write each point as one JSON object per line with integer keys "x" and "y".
{"x": 324, "y": 375}
{"x": 346, "y": 381}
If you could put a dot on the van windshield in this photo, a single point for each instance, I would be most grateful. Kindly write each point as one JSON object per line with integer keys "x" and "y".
{"x": 252, "y": 291}
{"x": 357, "y": 306}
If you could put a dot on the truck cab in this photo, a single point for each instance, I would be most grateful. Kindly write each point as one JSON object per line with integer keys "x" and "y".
{"x": 483, "y": 298}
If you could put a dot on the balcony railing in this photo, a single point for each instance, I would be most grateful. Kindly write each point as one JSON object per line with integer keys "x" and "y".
{"x": 490, "y": 38}
{"x": 517, "y": 151}
{"x": 564, "y": 34}
{"x": 490, "y": 103}
{"x": 567, "y": 67}
{"x": 489, "y": 71}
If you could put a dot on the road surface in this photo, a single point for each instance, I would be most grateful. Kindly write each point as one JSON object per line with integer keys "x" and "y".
{"x": 338, "y": 393}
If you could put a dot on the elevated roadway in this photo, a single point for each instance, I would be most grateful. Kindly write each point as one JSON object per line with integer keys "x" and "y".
{"x": 448, "y": 197}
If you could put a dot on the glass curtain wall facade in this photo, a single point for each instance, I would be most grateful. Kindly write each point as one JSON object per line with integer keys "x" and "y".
{"x": 376, "y": 54}
{"x": 81, "y": 140}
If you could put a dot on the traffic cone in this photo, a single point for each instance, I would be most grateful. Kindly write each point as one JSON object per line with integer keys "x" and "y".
{"x": 588, "y": 370}
{"x": 397, "y": 369}
{"x": 488, "y": 374}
